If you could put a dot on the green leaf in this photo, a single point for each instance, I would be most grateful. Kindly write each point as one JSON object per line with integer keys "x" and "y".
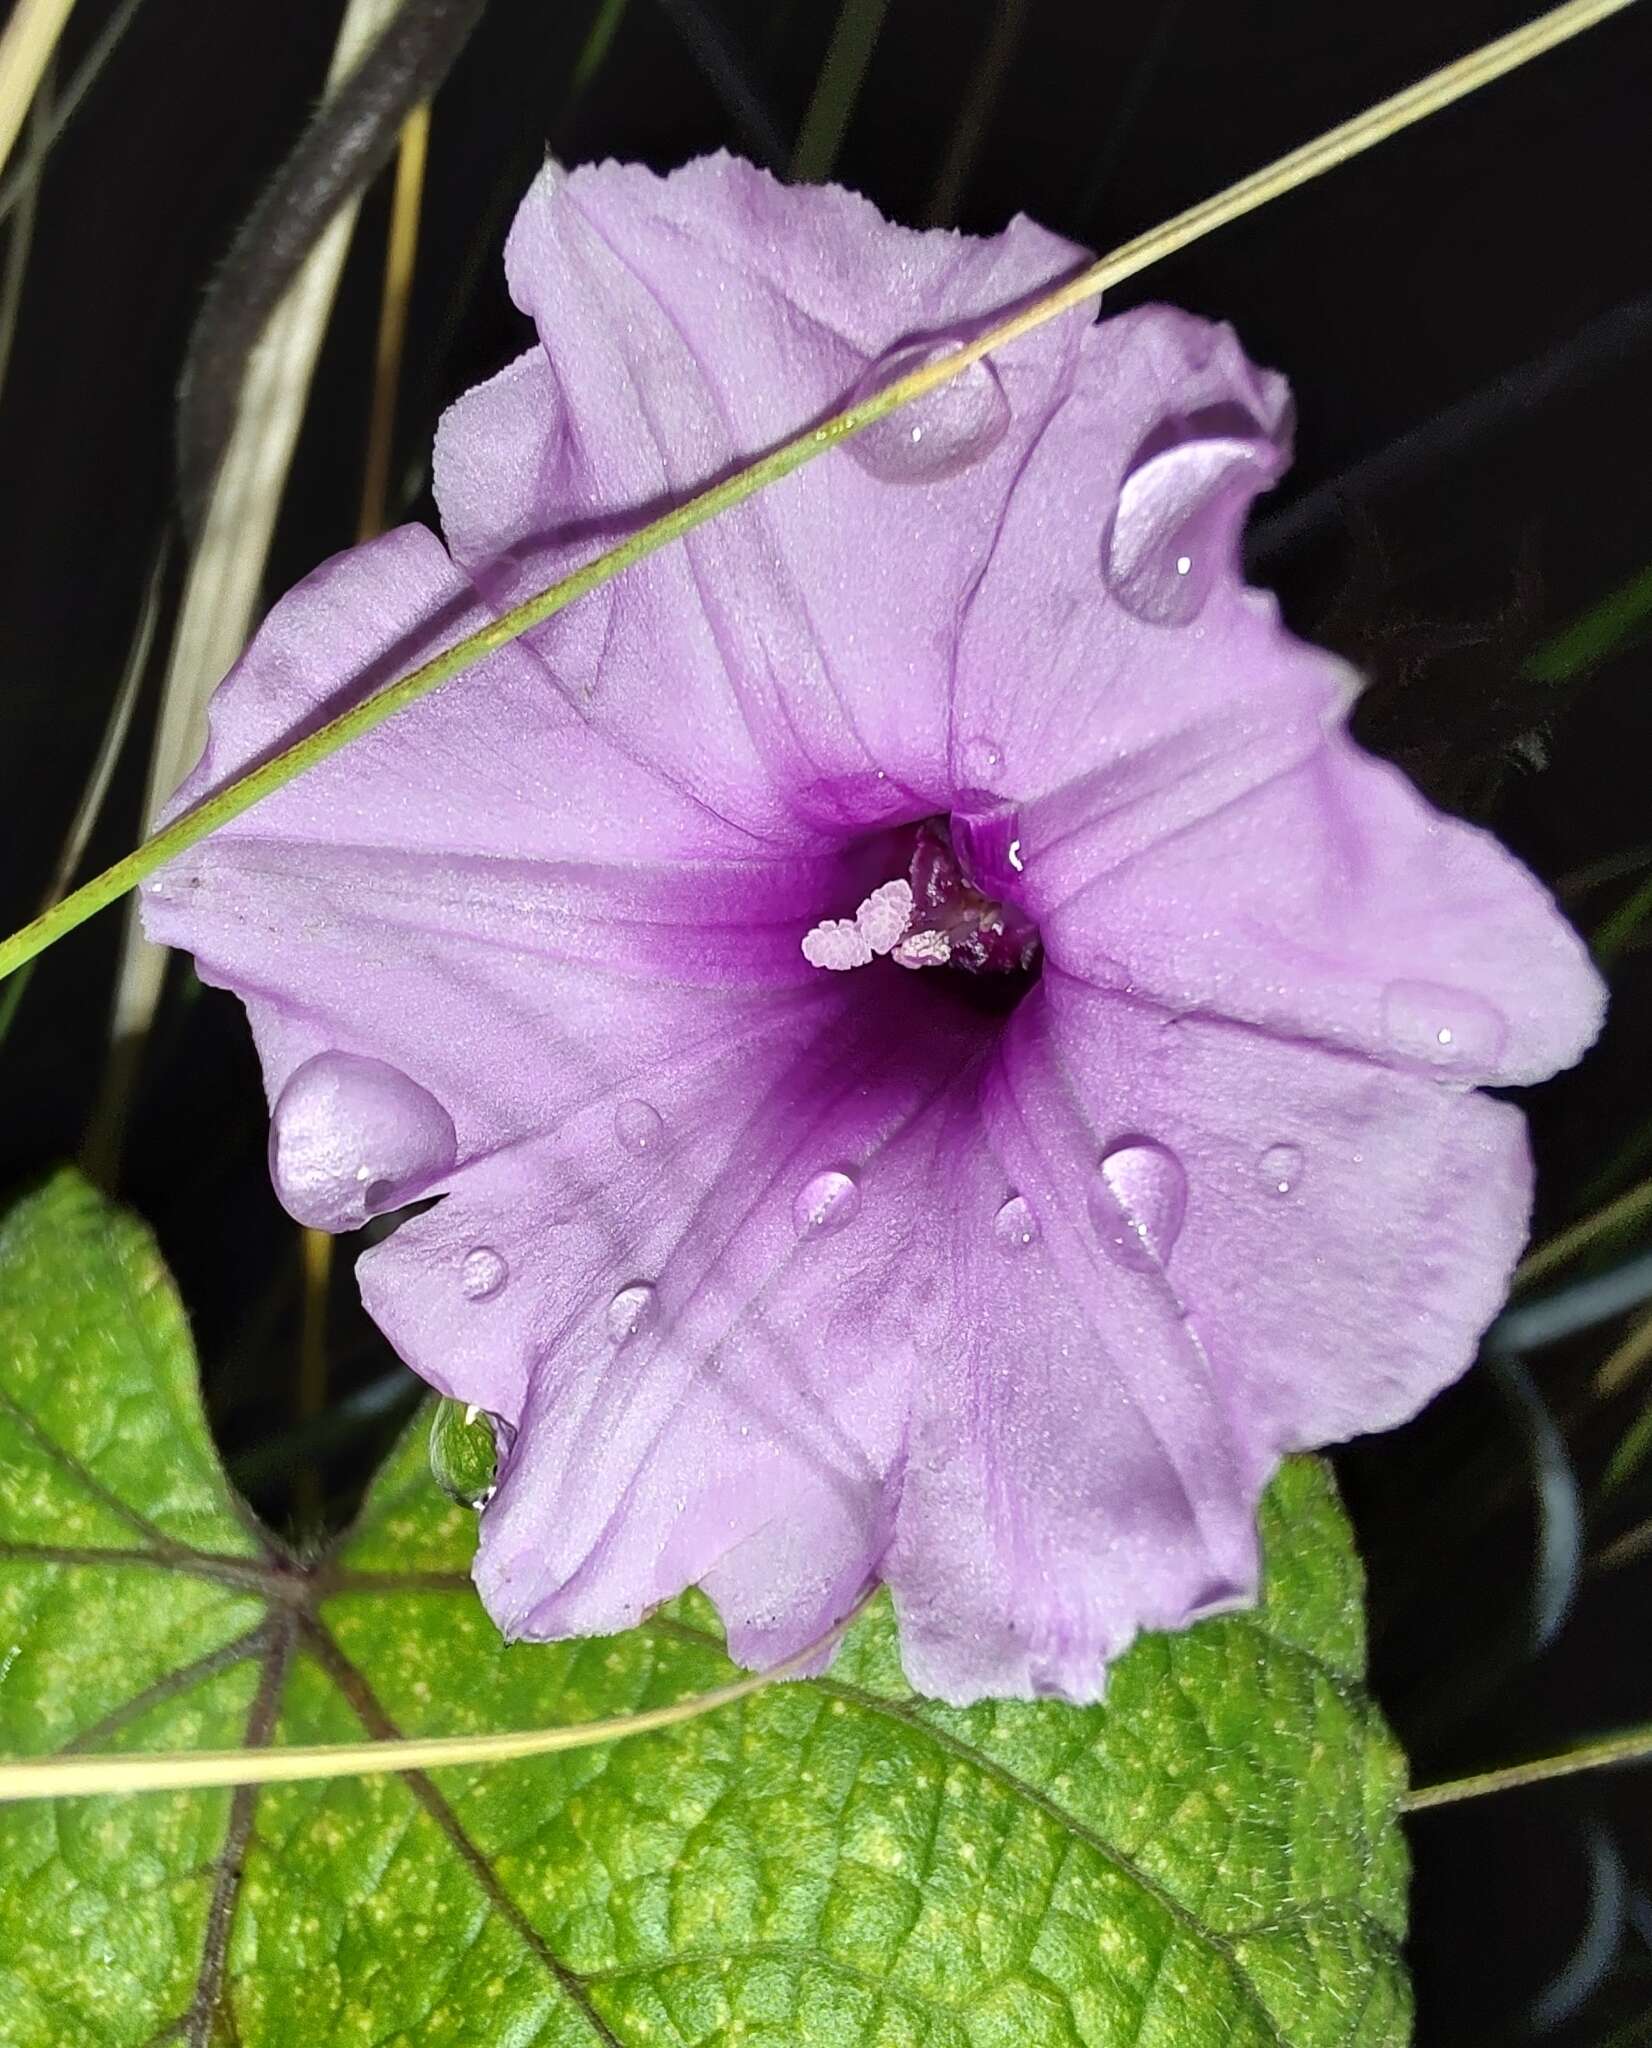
{"x": 1603, "y": 630}
{"x": 1212, "y": 1857}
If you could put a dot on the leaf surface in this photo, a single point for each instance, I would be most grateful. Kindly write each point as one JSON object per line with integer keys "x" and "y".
{"x": 1211, "y": 1857}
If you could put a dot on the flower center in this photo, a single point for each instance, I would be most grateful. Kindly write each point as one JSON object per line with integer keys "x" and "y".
{"x": 933, "y": 916}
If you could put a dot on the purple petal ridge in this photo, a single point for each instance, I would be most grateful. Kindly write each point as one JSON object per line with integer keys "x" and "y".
{"x": 1009, "y": 1289}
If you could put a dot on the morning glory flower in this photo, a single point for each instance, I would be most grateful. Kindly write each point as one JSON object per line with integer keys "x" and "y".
{"x": 940, "y": 1059}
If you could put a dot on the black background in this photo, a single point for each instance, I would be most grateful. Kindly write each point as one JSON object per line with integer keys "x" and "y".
{"x": 1466, "y": 317}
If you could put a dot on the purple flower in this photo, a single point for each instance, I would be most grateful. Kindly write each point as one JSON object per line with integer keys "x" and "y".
{"x": 941, "y": 1058}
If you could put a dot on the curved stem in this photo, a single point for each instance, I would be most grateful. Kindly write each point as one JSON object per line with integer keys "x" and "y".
{"x": 80, "y": 1777}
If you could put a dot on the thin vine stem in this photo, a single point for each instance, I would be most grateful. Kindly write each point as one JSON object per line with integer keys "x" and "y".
{"x": 83, "y": 1777}
{"x": 1338, "y": 146}
{"x": 1633, "y": 1746}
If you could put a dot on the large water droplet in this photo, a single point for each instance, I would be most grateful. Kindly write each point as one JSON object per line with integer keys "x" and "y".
{"x": 482, "y": 1273}
{"x": 1182, "y": 502}
{"x": 351, "y": 1137}
{"x": 1280, "y": 1168}
{"x": 464, "y": 1453}
{"x": 1445, "y": 1027}
{"x": 639, "y": 1126}
{"x": 826, "y": 1203}
{"x": 1138, "y": 1198}
{"x": 631, "y": 1311}
{"x": 936, "y": 436}
{"x": 1015, "y": 1227}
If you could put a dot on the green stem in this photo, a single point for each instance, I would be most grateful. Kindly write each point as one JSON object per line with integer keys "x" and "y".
{"x": 10, "y": 1001}
{"x": 836, "y": 90}
{"x": 1566, "y": 1244}
{"x": 1454, "y": 82}
{"x": 1600, "y": 632}
{"x": 593, "y": 53}
{"x": 1617, "y": 930}
{"x": 1632, "y": 1747}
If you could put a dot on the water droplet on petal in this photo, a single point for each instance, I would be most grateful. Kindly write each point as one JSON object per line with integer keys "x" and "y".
{"x": 351, "y": 1137}
{"x": 936, "y": 436}
{"x": 1137, "y": 1201}
{"x": 639, "y": 1126}
{"x": 1281, "y": 1168}
{"x": 1444, "y": 1026}
{"x": 981, "y": 761}
{"x": 1179, "y": 512}
{"x": 630, "y": 1311}
{"x": 481, "y": 1273}
{"x": 464, "y": 1453}
{"x": 826, "y": 1203}
{"x": 1015, "y": 1227}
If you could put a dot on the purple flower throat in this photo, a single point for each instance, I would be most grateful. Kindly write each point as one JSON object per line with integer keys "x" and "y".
{"x": 954, "y": 907}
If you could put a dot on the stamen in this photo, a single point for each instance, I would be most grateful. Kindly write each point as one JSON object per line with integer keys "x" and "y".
{"x": 840, "y": 943}
{"x": 938, "y": 918}
{"x": 836, "y": 943}
{"x": 923, "y": 949}
{"x": 885, "y": 915}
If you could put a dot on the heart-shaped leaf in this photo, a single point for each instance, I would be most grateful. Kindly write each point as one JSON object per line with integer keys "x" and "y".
{"x": 1211, "y": 1857}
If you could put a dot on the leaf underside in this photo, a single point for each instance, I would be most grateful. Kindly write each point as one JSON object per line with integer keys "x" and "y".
{"x": 1211, "y": 1857}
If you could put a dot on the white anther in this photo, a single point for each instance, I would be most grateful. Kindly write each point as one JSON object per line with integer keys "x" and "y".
{"x": 883, "y": 918}
{"x": 836, "y": 943}
{"x": 923, "y": 949}
{"x": 1016, "y": 861}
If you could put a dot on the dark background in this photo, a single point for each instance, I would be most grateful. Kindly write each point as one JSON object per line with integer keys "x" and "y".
{"x": 1466, "y": 317}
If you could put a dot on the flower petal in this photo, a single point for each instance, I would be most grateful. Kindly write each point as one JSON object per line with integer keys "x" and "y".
{"x": 710, "y": 1365}
{"x": 792, "y": 661}
{"x": 1074, "y": 1473}
{"x": 463, "y": 896}
{"x": 497, "y": 763}
{"x": 1110, "y": 632}
{"x": 1349, "y": 1228}
{"x": 773, "y": 1278}
{"x": 1333, "y": 904}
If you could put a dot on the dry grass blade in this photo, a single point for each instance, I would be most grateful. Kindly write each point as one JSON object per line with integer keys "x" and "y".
{"x": 26, "y": 48}
{"x": 221, "y": 594}
{"x": 20, "y": 242}
{"x": 405, "y": 206}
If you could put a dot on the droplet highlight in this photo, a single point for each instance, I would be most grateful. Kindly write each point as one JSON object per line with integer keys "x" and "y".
{"x": 482, "y": 1272}
{"x": 1138, "y": 1198}
{"x": 639, "y": 1126}
{"x": 826, "y": 1203}
{"x": 631, "y": 1311}
{"x": 1444, "y": 1027}
{"x": 1015, "y": 1227}
{"x": 1281, "y": 1169}
{"x": 934, "y": 437}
